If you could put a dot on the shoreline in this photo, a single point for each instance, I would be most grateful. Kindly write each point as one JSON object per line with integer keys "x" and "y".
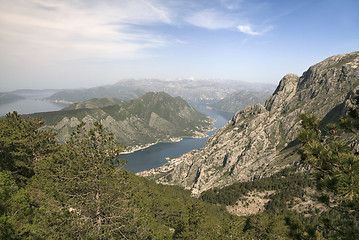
{"x": 172, "y": 140}
{"x": 169, "y": 166}
{"x": 142, "y": 147}
{"x": 54, "y": 101}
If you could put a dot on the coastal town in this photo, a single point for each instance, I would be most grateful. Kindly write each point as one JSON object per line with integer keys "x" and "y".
{"x": 165, "y": 168}
{"x": 132, "y": 149}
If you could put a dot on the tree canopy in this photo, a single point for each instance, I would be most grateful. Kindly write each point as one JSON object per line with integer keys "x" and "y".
{"x": 328, "y": 150}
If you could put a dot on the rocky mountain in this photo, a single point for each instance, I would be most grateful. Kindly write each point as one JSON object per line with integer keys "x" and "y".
{"x": 193, "y": 91}
{"x": 152, "y": 118}
{"x": 239, "y": 100}
{"x": 260, "y": 140}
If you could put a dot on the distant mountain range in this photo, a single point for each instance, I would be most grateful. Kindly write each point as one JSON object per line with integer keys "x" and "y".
{"x": 261, "y": 140}
{"x": 239, "y": 100}
{"x": 9, "y": 97}
{"x": 13, "y": 96}
{"x": 193, "y": 91}
{"x": 152, "y": 118}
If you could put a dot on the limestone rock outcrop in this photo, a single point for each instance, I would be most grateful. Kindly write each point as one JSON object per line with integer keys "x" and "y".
{"x": 259, "y": 140}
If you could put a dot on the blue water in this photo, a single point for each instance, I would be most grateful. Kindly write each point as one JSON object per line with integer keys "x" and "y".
{"x": 155, "y": 156}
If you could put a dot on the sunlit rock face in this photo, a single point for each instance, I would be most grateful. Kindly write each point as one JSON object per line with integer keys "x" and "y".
{"x": 259, "y": 140}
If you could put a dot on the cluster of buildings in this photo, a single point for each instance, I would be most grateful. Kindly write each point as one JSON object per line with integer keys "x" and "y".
{"x": 165, "y": 168}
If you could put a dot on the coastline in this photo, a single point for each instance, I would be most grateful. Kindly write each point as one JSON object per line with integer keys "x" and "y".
{"x": 54, "y": 101}
{"x": 169, "y": 166}
{"x": 172, "y": 140}
{"x": 142, "y": 147}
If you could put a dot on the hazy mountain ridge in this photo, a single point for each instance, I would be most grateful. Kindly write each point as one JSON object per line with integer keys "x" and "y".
{"x": 152, "y": 118}
{"x": 9, "y": 97}
{"x": 79, "y": 95}
{"x": 239, "y": 100}
{"x": 193, "y": 91}
{"x": 94, "y": 103}
{"x": 256, "y": 142}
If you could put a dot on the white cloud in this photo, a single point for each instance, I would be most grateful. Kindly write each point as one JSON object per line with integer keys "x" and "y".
{"x": 248, "y": 29}
{"x": 67, "y": 30}
{"x": 211, "y": 19}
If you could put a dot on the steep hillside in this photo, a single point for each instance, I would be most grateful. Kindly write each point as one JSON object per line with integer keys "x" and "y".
{"x": 239, "y": 100}
{"x": 259, "y": 141}
{"x": 153, "y": 117}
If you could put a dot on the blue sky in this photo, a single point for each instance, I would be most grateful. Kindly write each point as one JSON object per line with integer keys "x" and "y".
{"x": 86, "y": 43}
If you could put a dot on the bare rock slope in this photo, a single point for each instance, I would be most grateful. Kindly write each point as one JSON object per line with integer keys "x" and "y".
{"x": 154, "y": 117}
{"x": 258, "y": 140}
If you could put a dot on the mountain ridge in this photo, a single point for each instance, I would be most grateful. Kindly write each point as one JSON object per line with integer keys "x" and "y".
{"x": 258, "y": 141}
{"x": 154, "y": 117}
{"x": 9, "y": 97}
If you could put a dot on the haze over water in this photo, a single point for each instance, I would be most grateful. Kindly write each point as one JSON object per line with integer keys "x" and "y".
{"x": 31, "y": 104}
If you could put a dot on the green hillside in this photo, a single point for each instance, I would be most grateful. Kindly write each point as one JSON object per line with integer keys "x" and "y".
{"x": 151, "y": 118}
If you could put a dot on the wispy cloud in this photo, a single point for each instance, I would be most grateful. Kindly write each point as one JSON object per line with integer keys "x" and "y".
{"x": 78, "y": 29}
{"x": 248, "y": 29}
{"x": 211, "y": 19}
{"x": 229, "y": 17}
{"x": 50, "y": 31}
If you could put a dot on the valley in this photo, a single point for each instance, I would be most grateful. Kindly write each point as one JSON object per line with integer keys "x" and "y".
{"x": 256, "y": 173}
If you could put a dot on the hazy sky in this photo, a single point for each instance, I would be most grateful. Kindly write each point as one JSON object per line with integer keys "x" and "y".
{"x": 86, "y": 43}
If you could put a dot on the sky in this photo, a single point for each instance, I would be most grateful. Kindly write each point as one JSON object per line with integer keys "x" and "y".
{"x": 87, "y": 43}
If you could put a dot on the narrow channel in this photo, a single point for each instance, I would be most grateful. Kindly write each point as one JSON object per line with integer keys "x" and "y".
{"x": 155, "y": 156}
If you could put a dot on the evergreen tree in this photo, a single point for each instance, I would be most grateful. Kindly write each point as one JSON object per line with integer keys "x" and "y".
{"x": 84, "y": 192}
{"x": 22, "y": 145}
{"x": 337, "y": 169}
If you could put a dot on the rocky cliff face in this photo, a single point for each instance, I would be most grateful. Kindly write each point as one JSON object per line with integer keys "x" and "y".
{"x": 259, "y": 140}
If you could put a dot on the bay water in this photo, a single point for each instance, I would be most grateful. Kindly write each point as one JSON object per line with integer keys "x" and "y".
{"x": 156, "y": 155}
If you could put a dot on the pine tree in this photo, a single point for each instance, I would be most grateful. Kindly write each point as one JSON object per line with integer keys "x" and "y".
{"x": 22, "y": 145}
{"x": 337, "y": 169}
{"x": 84, "y": 192}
